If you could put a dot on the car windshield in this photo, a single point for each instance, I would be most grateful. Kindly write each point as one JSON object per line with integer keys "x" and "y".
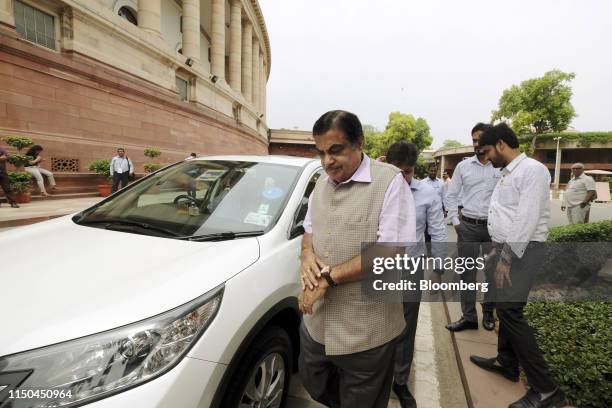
{"x": 199, "y": 198}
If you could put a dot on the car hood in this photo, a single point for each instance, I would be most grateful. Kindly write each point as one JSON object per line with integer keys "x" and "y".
{"x": 61, "y": 281}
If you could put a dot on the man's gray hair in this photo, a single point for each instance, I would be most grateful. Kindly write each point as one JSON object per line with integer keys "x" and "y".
{"x": 578, "y": 165}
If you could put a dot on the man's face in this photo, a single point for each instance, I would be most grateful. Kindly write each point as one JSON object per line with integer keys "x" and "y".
{"x": 407, "y": 171}
{"x": 445, "y": 176}
{"x": 577, "y": 170}
{"x": 493, "y": 154}
{"x": 475, "y": 138}
{"x": 339, "y": 157}
{"x": 432, "y": 171}
{"x": 120, "y": 152}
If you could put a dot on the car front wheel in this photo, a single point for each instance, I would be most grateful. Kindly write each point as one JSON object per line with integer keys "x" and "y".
{"x": 262, "y": 378}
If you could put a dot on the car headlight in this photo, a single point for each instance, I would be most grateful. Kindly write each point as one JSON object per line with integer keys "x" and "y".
{"x": 97, "y": 366}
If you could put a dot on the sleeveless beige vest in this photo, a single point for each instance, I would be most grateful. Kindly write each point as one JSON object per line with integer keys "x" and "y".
{"x": 342, "y": 218}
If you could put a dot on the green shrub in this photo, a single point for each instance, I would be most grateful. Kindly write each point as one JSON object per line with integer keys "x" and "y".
{"x": 576, "y": 341}
{"x": 101, "y": 167}
{"x": 151, "y": 167}
{"x": 20, "y": 181}
{"x": 576, "y": 253}
{"x": 18, "y": 142}
{"x": 595, "y": 232}
{"x": 152, "y": 152}
{"x": 18, "y": 160}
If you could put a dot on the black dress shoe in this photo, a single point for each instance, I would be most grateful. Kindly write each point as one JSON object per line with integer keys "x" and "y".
{"x": 462, "y": 324}
{"x": 14, "y": 205}
{"x": 491, "y": 364}
{"x": 488, "y": 321}
{"x": 533, "y": 400}
{"x": 405, "y": 397}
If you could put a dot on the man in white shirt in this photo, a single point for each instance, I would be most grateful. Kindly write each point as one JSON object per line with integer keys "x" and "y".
{"x": 518, "y": 223}
{"x": 429, "y": 217}
{"x": 579, "y": 193}
{"x": 472, "y": 185}
{"x": 121, "y": 168}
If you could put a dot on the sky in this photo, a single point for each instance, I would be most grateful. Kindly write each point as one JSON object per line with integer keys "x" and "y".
{"x": 446, "y": 61}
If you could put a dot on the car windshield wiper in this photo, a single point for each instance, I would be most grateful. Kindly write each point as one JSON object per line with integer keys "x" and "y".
{"x": 110, "y": 222}
{"x": 222, "y": 236}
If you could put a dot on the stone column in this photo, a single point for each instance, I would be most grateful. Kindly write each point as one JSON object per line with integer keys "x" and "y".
{"x": 6, "y": 13}
{"x": 191, "y": 29}
{"x": 235, "y": 57}
{"x": 262, "y": 82}
{"x": 218, "y": 38}
{"x": 149, "y": 16}
{"x": 264, "y": 93}
{"x": 247, "y": 61}
{"x": 256, "y": 74}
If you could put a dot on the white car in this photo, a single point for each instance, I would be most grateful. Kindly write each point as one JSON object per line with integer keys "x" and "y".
{"x": 179, "y": 291}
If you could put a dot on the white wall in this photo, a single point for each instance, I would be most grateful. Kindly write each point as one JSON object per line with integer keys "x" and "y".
{"x": 171, "y": 23}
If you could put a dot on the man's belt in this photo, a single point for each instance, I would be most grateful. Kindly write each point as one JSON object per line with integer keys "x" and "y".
{"x": 473, "y": 220}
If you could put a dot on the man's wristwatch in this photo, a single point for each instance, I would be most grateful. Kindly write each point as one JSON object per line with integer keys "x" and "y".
{"x": 325, "y": 273}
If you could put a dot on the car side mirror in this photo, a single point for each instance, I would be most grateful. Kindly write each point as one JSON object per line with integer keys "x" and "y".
{"x": 297, "y": 230}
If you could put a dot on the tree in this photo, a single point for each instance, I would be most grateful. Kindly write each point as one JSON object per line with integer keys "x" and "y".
{"x": 538, "y": 105}
{"x": 451, "y": 143}
{"x": 400, "y": 127}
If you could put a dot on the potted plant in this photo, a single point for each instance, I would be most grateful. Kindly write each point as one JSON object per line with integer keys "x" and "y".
{"x": 18, "y": 160}
{"x": 152, "y": 167}
{"x": 152, "y": 152}
{"x": 102, "y": 168}
{"x": 21, "y": 185}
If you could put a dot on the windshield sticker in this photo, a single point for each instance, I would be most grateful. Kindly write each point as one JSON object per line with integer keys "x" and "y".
{"x": 262, "y": 220}
{"x": 272, "y": 193}
{"x": 263, "y": 208}
{"x": 211, "y": 174}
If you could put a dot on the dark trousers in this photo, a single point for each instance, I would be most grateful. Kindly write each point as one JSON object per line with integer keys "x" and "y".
{"x": 404, "y": 349}
{"x": 6, "y": 186}
{"x": 123, "y": 178}
{"x": 359, "y": 380}
{"x": 516, "y": 343}
{"x": 474, "y": 241}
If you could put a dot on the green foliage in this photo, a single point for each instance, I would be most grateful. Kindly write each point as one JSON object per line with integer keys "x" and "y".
{"x": 151, "y": 167}
{"x": 526, "y": 148}
{"x": 538, "y": 105}
{"x": 152, "y": 152}
{"x": 594, "y": 232}
{"x": 18, "y": 142}
{"x": 420, "y": 169}
{"x": 20, "y": 181}
{"x": 577, "y": 254}
{"x": 584, "y": 139}
{"x": 448, "y": 143}
{"x": 400, "y": 127}
{"x": 575, "y": 339}
{"x": 19, "y": 160}
{"x": 101, "y": 167}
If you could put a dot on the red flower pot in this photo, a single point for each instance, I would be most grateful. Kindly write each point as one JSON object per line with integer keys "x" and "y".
{"x": 23, "y": 197}
{"x": 104, "y": 189}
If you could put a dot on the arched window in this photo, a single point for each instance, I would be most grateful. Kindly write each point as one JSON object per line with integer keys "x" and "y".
{"x": 128, "y": 14}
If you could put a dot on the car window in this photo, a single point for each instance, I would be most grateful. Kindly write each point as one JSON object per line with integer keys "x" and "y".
{"x": 301, "y": 214}
{"x": 204, "y": 197}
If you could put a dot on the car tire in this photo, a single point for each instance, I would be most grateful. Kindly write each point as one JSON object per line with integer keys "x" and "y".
{"x": 270, "y": 352}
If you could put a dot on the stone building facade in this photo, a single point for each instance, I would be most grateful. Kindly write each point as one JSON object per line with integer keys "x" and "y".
{"x": 82, "y": 77}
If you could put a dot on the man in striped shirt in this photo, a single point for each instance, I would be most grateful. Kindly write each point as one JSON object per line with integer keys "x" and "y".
{"x": 473, "y": 180}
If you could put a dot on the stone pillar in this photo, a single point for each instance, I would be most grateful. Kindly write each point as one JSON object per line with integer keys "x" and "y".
{"x": 6, "y": 13}
{"x": 191, "y": 29}
{"x": 262, "y": 82}
{"x": 235, "y": 57}
{"x": 247, "y": 61}
{"x": 442, "y": 164}
{"x": 149, "y": 16}
{"x": 218, "y": 38}
{"x": 256, "y": 74}
{"x": 264, "y": 85}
